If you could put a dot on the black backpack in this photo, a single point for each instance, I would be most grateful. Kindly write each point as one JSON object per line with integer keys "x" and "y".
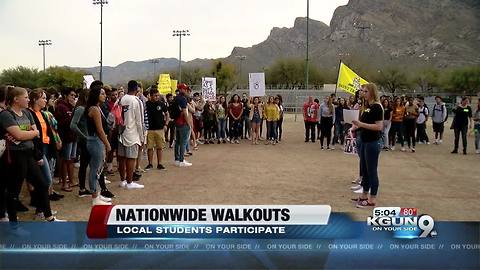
{"x": 175, "y": 111}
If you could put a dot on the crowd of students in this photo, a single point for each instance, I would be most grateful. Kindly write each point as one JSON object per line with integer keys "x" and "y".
{"x": 47, "y": 133}
{"x": 405, "y": 121}
{"x": 384, "y": 122}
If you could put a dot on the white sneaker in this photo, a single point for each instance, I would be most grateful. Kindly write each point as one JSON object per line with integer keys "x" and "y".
{"x": 5, "y": 219}
{"x": 123, "y": 184}
{"x": 108, "y": 181}
{"x": 105, "y": 199}
{"x": 428, "y": 143}
{"x": 56, "y": 220}
{"x": 76, "y": 165}
{"x": 440, "y": 141}
{"x": 477, "y": 151}
{"x": 356, "y": 187}
{"x": 134, "y": 185}
{"x": 185, "y": 164}
{"x": 392, "y": 148}
{"x": 403, "y": 149}
{"x": 358, "y": 191}
{"x": 98, "y": 201}
{"x": 332, "y": 147}
{"x": 177, "y": 163}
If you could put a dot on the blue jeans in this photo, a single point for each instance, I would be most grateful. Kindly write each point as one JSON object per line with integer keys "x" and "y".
{"x": 181, "y": 139}
{"x": 339, "y": 133}
{"x": 271, "y": 130}
{"x": 97, "y": 156}
{"x": 369, "y": 154}
{"x": 47, "y": 174}
{"x": 221, "y": 133}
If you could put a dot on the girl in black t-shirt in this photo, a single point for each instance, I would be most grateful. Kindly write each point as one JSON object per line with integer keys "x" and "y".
{"x": 18, "y": 123}
{"x": 463, "y": 116}
{"x": 371, "y": 124}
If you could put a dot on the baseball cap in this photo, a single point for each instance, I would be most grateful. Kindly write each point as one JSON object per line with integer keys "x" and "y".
{"x": 183, "y": 86}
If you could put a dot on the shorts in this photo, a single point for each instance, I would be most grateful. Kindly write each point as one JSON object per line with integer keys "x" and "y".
{"x": 256, "y": 120}
{"x": 69, "y": 151}
{"x": 127, "y": 151}
{"x": 155, "y": 138}
{"x": 438, "y": 127}
{"x": 197, "y": 124}
{"x": 114, "y": 140}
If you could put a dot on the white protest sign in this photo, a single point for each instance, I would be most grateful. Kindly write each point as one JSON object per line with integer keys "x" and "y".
{"x": 350, "y": 115}
{"x": 87, "y": 80}
{"x": 209, "y": 88}
{"x": 256, "y": 83}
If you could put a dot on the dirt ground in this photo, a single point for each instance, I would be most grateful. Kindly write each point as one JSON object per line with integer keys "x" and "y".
{"x": 440, "y": 184}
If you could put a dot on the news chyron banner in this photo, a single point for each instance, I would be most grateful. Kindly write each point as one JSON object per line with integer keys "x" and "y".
{"x": 209, "y": 221}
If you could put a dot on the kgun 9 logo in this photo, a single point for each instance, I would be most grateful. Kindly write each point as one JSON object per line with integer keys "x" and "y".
{"x": 404, "y": 225}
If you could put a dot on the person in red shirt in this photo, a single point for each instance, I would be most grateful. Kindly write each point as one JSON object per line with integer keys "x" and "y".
{"x": 235, "y": 112}
{"x": 310, "y": 112}
{"x": 64, "y": 114}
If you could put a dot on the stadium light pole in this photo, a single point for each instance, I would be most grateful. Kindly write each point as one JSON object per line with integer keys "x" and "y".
{"x": 101, "y": 3}
{"x": 44, "y": 43}
{"x": 180, "y": 34}
{"x": 306, "y": 60}
{"x": 308, "y": 34}
{"x": 242, "y": 58}
{"x": 154, "y": 62}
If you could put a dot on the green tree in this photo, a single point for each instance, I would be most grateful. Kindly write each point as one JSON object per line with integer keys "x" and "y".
{"x": 427, "y": 79}
{"x": 392, "y": 79}
{"x": 290, "y": 72}
{"x": 225, "y": 74}
{"x": 464, "y": 80}
{"x": 21, "y": 76}
{"x": 61, "y": 77}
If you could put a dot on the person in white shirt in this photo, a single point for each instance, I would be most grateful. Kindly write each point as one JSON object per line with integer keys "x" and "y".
{"x": 423, "y": 113}
{"x": 131, "y": 135}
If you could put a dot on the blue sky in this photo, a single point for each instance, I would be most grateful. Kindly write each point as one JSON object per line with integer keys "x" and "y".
{"x": 141, "y": 29}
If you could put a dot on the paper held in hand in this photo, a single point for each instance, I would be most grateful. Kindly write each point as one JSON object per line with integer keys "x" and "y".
{"x": 350, "y": 115}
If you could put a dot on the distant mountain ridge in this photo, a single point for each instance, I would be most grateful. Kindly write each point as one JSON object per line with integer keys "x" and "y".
{"x": 380, "y": 33}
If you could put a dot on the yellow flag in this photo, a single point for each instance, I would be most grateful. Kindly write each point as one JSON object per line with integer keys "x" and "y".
{"x": 348, "y": 80}
{"x": 174, "y": 85}
{"x": 164, "y": 84}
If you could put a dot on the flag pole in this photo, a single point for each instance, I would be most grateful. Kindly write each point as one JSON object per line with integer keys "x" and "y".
{"x": 338, "y": 75}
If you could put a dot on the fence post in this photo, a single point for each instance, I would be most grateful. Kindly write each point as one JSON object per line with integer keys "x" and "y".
{"x": 296, "y": 106}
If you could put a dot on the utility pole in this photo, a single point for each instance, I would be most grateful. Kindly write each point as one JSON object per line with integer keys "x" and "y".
{"x": 180, "y": 33}
{"x": 101, "y": 3}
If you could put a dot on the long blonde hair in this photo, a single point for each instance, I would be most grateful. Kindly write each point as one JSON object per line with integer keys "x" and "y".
{"x": 373, "y": 90}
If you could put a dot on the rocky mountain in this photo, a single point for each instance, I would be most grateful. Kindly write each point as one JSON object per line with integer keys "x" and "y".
{"x": 380, "y": 33}
{"x": 373, "y": 33}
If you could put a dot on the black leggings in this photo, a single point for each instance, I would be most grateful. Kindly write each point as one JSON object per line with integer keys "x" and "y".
{"x": 463, "y": 131}
{"x": 84, "y": 161}
{"x": 279, "y": 129}
{"x": 3, "y": 187}
{"x": 208, "y": 130}
{"x": 171, "y": 129}
{"x": 23, "y": 166}
{"x": 410, "y": 126}
{"x": 326, "y": 130}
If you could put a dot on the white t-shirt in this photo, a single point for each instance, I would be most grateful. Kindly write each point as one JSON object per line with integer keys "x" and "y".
{"x": 132, "y": 110}
{"x": 422, "y": 114}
